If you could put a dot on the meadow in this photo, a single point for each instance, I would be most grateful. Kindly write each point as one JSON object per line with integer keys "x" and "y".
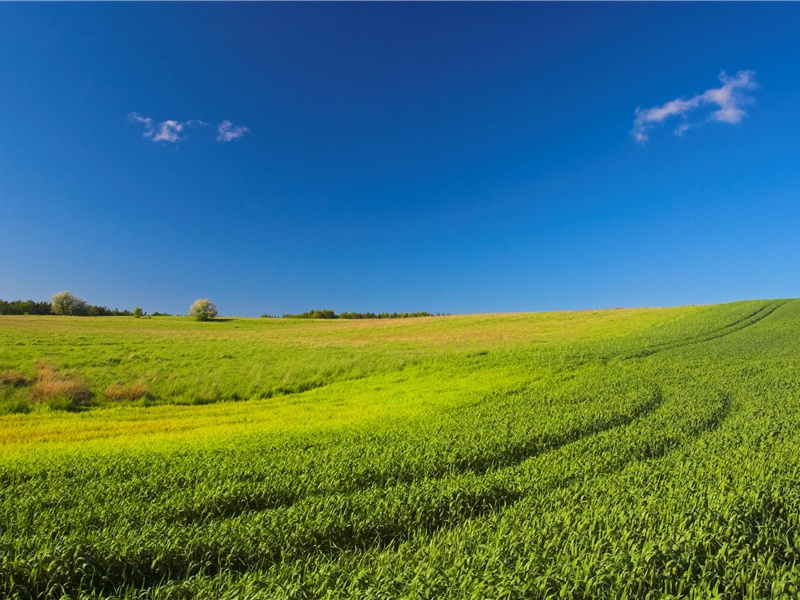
{"x": 628, "y": 453}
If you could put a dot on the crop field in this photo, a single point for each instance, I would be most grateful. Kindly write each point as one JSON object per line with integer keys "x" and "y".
{"x": 629, "y": 453}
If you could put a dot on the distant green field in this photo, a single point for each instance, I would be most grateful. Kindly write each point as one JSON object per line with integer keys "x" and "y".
{"x": 636, "y": 453}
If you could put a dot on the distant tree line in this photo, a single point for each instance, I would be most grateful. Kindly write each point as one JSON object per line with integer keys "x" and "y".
{"x": 71, "y": 307}
{"x": 25, "y": 307}
{"x": 329, "y": 314}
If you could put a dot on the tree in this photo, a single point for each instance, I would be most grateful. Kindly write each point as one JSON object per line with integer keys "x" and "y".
{"x": 25, "y": 307}
{"x": 203, "y": 309}
{"x": 138, "y": 312}
{"x": 65, "y": 303}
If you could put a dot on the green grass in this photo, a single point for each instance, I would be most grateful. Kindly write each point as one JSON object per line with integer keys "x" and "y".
{"x": 621, "y": 453}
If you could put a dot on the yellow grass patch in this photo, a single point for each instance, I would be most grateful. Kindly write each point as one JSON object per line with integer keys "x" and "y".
{"x": 52, "y": 385}
{"x": 133, "y": 391}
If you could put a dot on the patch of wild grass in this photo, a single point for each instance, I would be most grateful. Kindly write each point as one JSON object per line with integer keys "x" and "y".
{"x": 129, "y": 392}
{"x": 64, "y": 391}
{"x": 14, "y": 379}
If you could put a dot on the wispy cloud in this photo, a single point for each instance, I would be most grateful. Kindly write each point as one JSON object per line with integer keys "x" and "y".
{"x": 227, "y": 131}
{"x": 146, "y": 121}
{"x": 166, "y": 131}
{"x": 729, "y": 99}
{"x": 174, "y": 131}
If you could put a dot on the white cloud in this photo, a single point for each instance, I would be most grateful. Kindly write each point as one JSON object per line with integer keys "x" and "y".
{"x": 729, "y": 98}
{"x": 227, "y": 131}
{"x": 174, "y": 131}
{"x": 166, "y": 131}
{"x": 146, "y": 121}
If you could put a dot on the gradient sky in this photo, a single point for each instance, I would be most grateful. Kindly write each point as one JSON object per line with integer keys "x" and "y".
{"x": 453, "y": 157}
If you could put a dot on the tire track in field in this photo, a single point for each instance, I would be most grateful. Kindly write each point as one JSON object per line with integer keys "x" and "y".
{"x": 503, "y": 491}
{"x": 496, "y": 488}
{"x": 235, "y": 505}
{"x": 596, "y": 452}
{"x": 375, "y": 518}
{"x": 537, "y": 445}
{"x": 738, "y": 325}
{"x": 605, "y": 454}
{"x": 467, "y": 495}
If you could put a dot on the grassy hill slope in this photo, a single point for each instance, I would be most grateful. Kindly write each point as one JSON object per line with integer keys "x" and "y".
{"x": 620, "y": 453}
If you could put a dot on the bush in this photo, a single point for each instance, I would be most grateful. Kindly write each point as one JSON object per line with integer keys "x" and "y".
{"x": 65, "y": 303}
{"x": 203, "y": 309}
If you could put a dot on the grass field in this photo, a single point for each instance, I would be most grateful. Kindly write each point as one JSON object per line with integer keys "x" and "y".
{"x": 632, "y": 453}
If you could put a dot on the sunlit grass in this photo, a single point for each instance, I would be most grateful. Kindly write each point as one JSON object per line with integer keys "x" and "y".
{"x": 621, "y": 453}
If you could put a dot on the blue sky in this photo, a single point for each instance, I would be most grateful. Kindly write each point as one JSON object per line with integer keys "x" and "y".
{"x": 453, "y": 157}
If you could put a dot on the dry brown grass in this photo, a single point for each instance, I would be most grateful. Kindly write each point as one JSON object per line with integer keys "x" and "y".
{"x": 14, "y": 378}
{"x": 133, "y": 391}
{"x": 52, "y": 385}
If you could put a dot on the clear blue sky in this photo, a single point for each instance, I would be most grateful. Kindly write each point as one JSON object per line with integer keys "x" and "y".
{"x": 475, "y": 157}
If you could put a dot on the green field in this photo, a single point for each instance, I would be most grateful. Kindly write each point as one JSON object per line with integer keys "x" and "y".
{"x": 633, "y": 453}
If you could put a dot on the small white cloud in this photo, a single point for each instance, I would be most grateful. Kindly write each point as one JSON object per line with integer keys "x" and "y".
{"x": 166, "y": 131}
{"x": 227, "y": 131}
{"x": 174, "y": 131}
{"x": 729, "y": 98}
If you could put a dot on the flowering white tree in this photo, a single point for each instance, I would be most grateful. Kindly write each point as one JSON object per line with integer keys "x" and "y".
{"x": 65, "y": 303}
{"x": 203, "y": 309}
